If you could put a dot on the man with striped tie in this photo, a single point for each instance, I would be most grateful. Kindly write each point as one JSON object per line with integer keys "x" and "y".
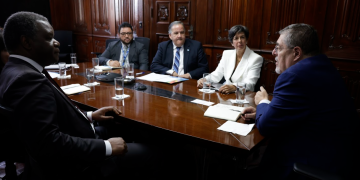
{"x": 180, "y": 56}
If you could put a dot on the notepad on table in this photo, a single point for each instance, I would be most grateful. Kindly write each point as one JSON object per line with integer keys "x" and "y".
{"x": 74, "y": 88}
{"x": 222, "y": 113}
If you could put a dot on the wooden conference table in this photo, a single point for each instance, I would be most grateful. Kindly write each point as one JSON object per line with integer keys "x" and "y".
{"x": 167, "y": 108}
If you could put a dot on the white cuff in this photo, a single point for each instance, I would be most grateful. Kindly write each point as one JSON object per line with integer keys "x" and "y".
{"x": 89, "y": 115}
{"x": 265, "y": 101}
{"x": 108, "y": 150}
{"x": 108, "y": 62}
{"x": 170, "y": 72}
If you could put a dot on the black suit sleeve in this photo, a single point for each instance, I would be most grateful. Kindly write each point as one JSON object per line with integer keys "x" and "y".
{"x": 108, "y": 54}
{"x": 39, "y": 122}
{"x": 201, "y": 65}
{"x": 143, "y": 57}
{"x": 159, "y": 64}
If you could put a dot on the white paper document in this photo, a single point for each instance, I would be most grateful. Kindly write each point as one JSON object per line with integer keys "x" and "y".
{"x": 236, "y": 128}
{"x": 74, "y": 88}
{"x": 161, "y": 78}
{"x": 55, "y": 66}
{"x": 199, "y": 101}
{"x": 222, "y": 111}
{"x": 121, "y": 97}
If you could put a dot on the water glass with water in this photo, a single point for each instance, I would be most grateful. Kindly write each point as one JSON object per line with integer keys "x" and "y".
{"x": 240, "y": 92}
{"x": 207, "y": 82}
{"x": 130, "y": 70}
{"x": 73, "y": 59}
{"x": 90, "y": 76}
{"x": 62, "y": 69}
{"x": 119, "y": 87}
{"x": 95, "y": 63}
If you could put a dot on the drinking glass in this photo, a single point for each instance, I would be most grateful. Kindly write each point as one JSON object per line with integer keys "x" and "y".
{"x": 207, "y": 82}
{"x": 130, "y": 70}
{"x": 240, "y": 92}
{"x": 90, "y": 76}
{"x": 119, "y": 87}
{"x": 95, "y": 63}
{"x": 73, "y": 59}
{"x": 62, "y": 69}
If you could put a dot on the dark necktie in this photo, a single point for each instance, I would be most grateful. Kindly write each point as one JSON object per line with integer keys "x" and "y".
{"x": 177, "y": 60}
{"x": 57, "y": 87}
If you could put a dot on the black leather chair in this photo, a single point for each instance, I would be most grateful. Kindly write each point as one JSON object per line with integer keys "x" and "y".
{"x": 10, "y": 152}
{"x": 106, "y": 45}
{"x": 66, "y": 44}
{"x": 143, "y": 40}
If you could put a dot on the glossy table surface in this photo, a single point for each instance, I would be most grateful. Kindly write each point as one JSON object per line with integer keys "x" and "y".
{"x": 167, "y": 107}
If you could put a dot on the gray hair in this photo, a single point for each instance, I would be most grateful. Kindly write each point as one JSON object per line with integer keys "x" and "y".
{"x": 21, "y": 24}
{"x": 175, "y": 23}
{"x": 303, "y": 36}
{"x": 237, "y": 29}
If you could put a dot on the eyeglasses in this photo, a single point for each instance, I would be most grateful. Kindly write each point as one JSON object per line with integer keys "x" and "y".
{"x": 277, "y": 49}
{"x": 126, "y": 33}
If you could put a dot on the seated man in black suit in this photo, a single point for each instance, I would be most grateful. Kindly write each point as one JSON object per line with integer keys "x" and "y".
{"x": 119, "y": 53}
{"x": 180, "y": 56}
{"x": 60, "y": 140}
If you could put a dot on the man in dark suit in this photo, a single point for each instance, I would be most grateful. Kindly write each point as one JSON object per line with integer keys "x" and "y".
{"x": 311, "y": 119}
{"x": 60, "y": 140}
{"x": 180, "y": 56}
{"x": 126, "y": 50}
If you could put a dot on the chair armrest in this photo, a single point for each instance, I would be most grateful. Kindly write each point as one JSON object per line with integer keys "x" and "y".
{"x": 314, "y": 173}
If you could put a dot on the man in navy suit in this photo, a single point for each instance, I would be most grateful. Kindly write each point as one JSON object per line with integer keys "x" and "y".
{"x": 311, "y": 119}
{"x": 126, "y": 50}
{"x": 180, "y": 56}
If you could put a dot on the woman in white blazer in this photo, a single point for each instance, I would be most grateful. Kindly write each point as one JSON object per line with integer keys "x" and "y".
{"x": 237, "y": 65}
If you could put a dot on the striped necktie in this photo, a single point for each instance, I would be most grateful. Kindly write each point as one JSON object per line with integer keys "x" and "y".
{"x": 177, "y": 60}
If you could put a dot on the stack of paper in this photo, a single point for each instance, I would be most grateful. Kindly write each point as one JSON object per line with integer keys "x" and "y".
{"x": 161, "y": 78}
{"x": 237, "y": 128}
{"x": 74, "y": 88}
{"x": 55, "y": 66}
{"x": 221, "y": 111}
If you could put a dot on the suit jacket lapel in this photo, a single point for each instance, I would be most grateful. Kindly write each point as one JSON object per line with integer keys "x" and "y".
{"x": 132, "y": 50}
{"x": 230, "y": 65}
{"x": 170, "y": 52}
{"x": 117, "y": 49}
{"x": 240, "y": 69}
{"x": 186, "y": 55}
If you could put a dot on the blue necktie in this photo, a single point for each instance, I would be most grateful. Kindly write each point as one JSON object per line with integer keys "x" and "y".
{"x": 177, "y": 60}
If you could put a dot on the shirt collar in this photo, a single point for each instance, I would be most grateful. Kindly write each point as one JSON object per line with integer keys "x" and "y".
{"x": 30, "y": 61}
{"x": 174, "y": 46}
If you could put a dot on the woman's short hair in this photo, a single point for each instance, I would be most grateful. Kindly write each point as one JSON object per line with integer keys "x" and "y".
{"x": 237, "y": 29}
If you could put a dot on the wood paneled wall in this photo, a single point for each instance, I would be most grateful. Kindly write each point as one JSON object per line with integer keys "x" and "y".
{"x": 336, "y": 21}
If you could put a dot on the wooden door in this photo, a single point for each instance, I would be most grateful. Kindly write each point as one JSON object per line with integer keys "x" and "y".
{"x": 162, "y": 13}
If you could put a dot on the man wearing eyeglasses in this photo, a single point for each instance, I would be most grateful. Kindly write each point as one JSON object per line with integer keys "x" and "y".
{"x": 125, "y": 51}
{"x": 311, "y": 119}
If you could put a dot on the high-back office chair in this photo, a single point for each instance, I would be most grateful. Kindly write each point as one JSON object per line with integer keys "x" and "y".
{"x": 9, "y": 151}
{"x": 106, "y": 45}
{"x": 66, "y": 44}
{"x": 143, "y": 40}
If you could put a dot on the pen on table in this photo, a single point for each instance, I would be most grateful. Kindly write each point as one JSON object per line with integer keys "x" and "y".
{"x": 139, "y": 73}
